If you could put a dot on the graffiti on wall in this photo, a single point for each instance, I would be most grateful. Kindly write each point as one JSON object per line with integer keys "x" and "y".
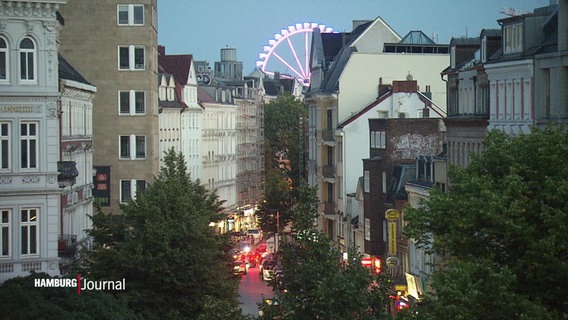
{"x": 409, "y": 146}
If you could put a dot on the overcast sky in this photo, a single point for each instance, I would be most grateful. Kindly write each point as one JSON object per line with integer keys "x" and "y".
{"x": 203, "y": 27}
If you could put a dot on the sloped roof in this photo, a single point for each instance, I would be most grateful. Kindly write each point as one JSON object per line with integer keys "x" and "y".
{"x": 67, "y": 72}
{"x": 353, "y": 35}
{"x": 330, "y": 83}
{"x": 492, "y": 33}
{"x": 332, "y": 44}
{"x": 178, "y": 65}
{"x": 465, "y": 41}
{"x": 203, "y": 96}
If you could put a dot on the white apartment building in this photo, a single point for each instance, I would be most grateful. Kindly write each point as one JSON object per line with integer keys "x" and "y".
{"x": 182, "y": 68}
{"x": 76, "y": 152}
{"x": 170, "y": 115}
{"x": 219, "y": 145}
{"x": 30, "y": 200}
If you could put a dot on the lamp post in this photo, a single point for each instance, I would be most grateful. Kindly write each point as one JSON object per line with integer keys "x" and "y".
{"x": 276, "y": 237}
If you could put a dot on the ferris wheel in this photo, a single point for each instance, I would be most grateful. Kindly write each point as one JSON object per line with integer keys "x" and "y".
{"x": 288, "y": 53}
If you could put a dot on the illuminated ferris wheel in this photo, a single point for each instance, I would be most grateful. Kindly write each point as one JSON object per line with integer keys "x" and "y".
{"x": 288, "y": 53}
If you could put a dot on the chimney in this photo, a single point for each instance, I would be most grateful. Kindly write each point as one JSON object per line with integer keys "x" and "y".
{"x": 161, "y": 50}
{"x": 383, "y": 88}
{"x": 408, "y": 86}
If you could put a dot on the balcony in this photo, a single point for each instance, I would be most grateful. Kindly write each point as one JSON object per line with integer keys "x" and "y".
{"x": 328, "y": 135}
{"x": 329, "y": 208}
{"x": 328, "y": 172}
{"x": 67, "y": 173}
{"x": 67, "y": 245}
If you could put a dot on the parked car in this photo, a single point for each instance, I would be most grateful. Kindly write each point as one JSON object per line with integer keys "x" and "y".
{"x": 239, "y": 267}
{"x": 268, "y": 270}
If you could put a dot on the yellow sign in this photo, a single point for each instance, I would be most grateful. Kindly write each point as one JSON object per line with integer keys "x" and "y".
{"x": 391, "y": 214}
{"x": 392, "y": 238}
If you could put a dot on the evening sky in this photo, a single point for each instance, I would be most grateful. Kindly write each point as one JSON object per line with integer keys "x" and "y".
{"x": 203, "y": 27}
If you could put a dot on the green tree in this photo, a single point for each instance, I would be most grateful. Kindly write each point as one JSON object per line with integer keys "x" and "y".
{"x": 305, "y": 211}
{"x": 173, "y": 262}
{"x": 21, "y": 300}
{"x": 284, "y": 127}
{"x": 316, "y": 283}
{"x": 504, "y": 224}
{"x": 276, "y": 203}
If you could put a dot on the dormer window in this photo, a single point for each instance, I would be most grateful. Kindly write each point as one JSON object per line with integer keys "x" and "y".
{"x": 484, "y": 49}
{"x": 513, "y": 38}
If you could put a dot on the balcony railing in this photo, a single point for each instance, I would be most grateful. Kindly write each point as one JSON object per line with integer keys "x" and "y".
{"x": 67, "y": 173}
{"x": 329, "y": 208}
{"x": 67, "y": 245}
{"x": 328, "y": 171}
{"x": 328, "y": 135}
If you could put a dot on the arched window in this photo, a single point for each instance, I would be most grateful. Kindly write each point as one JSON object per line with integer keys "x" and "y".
{"x": 3, "y": 60}
{"x": 27, "y": 60}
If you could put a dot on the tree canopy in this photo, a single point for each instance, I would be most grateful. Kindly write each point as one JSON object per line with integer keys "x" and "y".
{"x": 504, "y": 225}
{"x": 316, "y": 282}
{"x": 284, "y": 123}
{"x": 174, "y": 264}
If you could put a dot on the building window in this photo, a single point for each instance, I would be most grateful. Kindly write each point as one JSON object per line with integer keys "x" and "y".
{"x": 130, "y": 14}
{"x": 483, "y": 100}
{"x": 27, "y": 60}
{"x": 129, "y": 188}
{"x": 378, "y": 139}
{"x": 28, "y": 145}
{"x": 5, "y": 232}
{"x": 29, "y": 231}
{"x": 381, "y": 114}
{"x": 3, "y": 60}
{"x": 131, "y": 57}
{"x": 132, "y": 102}
{"x": 5, "y": 152}
{"x": 339, "y": 151}
{"x": 132, "y": 147}
{"x": 484, "y": 49}
{"x": 513, "y": 38}
{"x": 366, "y": 181}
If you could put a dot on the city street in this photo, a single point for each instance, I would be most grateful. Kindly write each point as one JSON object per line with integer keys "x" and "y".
{"x": 251, "y": 290}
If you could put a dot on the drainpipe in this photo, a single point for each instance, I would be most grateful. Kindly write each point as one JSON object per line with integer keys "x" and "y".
{"x": 59, "y": 113}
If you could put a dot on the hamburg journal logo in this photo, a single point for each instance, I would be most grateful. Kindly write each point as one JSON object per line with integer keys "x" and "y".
{"x": 82, "y": 284}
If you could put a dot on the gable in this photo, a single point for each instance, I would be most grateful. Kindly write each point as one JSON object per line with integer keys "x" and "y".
{"x": 179, "y": 66}
{"x": 373, "y": 38}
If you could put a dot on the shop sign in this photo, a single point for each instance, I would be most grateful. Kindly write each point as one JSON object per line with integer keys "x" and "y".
{"x": 391, "y": 214}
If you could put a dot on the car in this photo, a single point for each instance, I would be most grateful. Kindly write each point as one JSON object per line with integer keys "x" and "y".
{"x": 268, "y": 270}
{"x": 239, "y": 267}
{"x": 253, "y": 258}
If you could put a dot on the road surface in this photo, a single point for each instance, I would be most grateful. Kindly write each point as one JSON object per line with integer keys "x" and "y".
{"x": 251, "y": 290}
